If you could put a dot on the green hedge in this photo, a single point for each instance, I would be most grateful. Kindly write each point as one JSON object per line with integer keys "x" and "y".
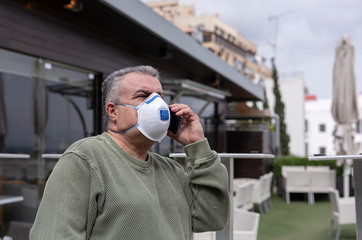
{"x": 303, "y": 161}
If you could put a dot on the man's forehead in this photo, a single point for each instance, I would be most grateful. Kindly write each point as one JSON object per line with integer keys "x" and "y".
{"x": 141, "y": 78}
{"x": 134, "y": 82}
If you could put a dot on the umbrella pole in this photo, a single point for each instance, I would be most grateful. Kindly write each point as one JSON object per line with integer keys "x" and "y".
{"x": 346, "y": 173}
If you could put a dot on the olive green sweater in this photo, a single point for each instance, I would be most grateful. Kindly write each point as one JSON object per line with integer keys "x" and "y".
{"x": 98, "y": 191}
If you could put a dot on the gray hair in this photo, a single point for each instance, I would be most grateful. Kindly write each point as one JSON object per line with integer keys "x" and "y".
{"x": 111, "y": 90}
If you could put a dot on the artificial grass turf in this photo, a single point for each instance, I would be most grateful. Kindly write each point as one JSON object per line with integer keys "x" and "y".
{"x": 301, "y": 221}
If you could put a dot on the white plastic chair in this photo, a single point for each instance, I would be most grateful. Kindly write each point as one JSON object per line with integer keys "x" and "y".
{"x": 258, "y": 193}
{"x": 321, "y": 180}
{"x": 205, "y": 236}
{"x": 246, "y": 225}
{"x": 244, "y": 196}
{"x": 297, "y": 181}
{"x": 266, "y": 191}
{"x": 343, "y": 211}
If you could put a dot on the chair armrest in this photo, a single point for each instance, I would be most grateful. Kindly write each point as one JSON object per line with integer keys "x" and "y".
{"x": 347, "y": 213}
{"x": 349, "y": 200}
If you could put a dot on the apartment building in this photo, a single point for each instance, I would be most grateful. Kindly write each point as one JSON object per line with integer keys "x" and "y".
{"x": 292, "y": 88}
{"x": 219, "y": 37}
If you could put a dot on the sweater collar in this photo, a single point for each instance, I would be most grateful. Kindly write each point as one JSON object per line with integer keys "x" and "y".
{"x": 134, "y": 161}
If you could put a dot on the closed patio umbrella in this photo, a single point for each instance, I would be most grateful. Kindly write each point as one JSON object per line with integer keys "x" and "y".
{"x": 3, "y": 122}
{"x": 344, "y": 104}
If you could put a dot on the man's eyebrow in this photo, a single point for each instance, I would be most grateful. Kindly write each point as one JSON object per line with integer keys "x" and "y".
{"x": 147, "y": 92}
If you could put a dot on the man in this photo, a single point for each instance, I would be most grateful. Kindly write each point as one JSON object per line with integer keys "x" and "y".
{"x": 110, "y": 187}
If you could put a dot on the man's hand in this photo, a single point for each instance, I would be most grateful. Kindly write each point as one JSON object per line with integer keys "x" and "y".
{"x": 190, "y": 130}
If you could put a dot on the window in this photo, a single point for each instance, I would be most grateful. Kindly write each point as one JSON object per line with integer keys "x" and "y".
{"x": 359, "y": 126}
{"x": 322, "y": 150}
{"x": 55, "y": 102}
{"x": 237, "y": 64}
{"x": 322, "y": 127}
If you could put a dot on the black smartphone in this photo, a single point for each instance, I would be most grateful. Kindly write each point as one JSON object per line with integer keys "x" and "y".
{"x": 174, "y": 123}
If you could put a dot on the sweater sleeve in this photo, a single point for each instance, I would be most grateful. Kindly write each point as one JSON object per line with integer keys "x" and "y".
{"x": 208, "y": 185}
{"x": 67, "y": 205}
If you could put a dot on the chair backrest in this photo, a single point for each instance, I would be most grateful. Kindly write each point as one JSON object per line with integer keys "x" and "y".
{"x": 317, "y": 168}
{"x": 244, "y": 196}
{"x": 334, "y": 198}
{"x": 237, "y": 182}
{"x": 297, "y": 181}
{"x": 295, "y": 168}
{"x": 259, "y": 189}
{"x": 321, "y": 181}
{"x": 257, "y": 196}
{"x": 246, "y": 225}
{"x": 266, "y": 190}
{"x": 263, "y": 185}
{"x": 297, "y": 178}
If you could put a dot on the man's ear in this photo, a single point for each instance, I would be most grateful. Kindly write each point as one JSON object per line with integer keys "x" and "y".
{"x": 111, "y": 111}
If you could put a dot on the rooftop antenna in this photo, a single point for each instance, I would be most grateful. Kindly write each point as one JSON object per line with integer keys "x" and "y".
{"x": 276, "y": 19}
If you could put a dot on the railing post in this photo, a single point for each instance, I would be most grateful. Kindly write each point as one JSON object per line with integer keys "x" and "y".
{"x": 357, "y": 175}
{"x": 227, "y": 233}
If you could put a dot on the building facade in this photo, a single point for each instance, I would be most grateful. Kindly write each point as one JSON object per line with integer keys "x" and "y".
{"x": 320, "y": 124}
{"x": 292, "y": 89}
{"x": 219, "y": 37}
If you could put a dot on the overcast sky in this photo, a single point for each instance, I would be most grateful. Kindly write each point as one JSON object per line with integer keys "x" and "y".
{"x": 307, "y": 36}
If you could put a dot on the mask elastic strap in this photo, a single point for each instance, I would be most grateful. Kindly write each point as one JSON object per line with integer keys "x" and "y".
{"x": 124, "y": 130}
{"x": 127, "y": 105}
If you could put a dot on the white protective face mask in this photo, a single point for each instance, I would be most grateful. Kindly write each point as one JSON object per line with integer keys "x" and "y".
{"x": 153, "y": 117}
